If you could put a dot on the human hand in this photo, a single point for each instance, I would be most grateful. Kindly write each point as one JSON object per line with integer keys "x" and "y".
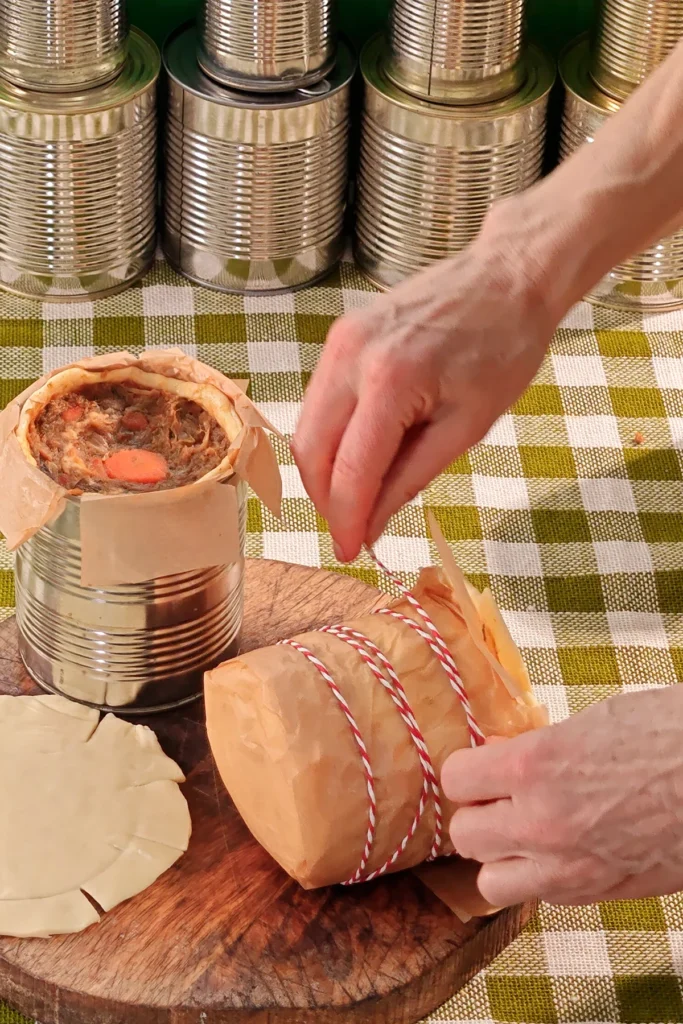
{"x": 584, "y": 811}
{"x": 409, "y": 384}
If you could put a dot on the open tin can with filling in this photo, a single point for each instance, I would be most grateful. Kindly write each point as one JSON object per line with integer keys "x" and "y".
{"x": 654, "y": 278}
{"x": 133, "y": 587}
{"x": 139, "y": 647}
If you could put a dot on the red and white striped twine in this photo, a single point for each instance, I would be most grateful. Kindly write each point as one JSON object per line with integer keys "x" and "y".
{"x": 364, "y": 756}
{"x": 442, "y": 652}
{"x": 384, "y": 672}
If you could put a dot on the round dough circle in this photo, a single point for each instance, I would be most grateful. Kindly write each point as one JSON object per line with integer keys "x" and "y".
{"x": 88, "y": 807}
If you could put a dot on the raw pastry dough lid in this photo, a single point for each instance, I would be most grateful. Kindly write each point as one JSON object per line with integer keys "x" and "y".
{"x": 93, "y": 809}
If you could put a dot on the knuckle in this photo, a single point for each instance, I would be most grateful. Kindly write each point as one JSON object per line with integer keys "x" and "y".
{"x": 390, "y": 371}
{"x": 525, "y": 769}
{"x": 528, "y": 767}
{"x": 544, "y": 832}
{"x": 347, "y": 335}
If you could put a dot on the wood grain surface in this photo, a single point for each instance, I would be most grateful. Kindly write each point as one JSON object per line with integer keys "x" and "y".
{"x": 225, "y": 937}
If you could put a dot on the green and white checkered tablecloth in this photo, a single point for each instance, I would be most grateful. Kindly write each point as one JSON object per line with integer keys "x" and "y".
{"x": 578, "y": 531}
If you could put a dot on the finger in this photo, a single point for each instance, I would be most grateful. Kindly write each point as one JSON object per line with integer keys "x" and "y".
{"x": 419, "y": 461}
{"x": 328, "y": 407}
{"x": 487, "y": 773}
{"x": 486, "y": 833}
{"x": 329, "y": 402}
{"x": 367, "y": 449}
{"x": 508, "y": 882}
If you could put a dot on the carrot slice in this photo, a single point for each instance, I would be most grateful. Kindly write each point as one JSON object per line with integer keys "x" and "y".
{"x": 136, "y": 466}
{"x": 72, "y": 413}
{"x": 134, "y": 420}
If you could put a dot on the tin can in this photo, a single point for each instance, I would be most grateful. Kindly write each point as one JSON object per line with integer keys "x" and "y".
{"x": 62, "y": 45}
{"x": 632, "y": 38}
{"x": 255, "y": 186}
{"x": 269, "y": 45}
{"x": 457, "y": 51}
{"x": 138, "y": 648}
{"x": 654, "y": 278}
{"x": 78, "y": 194}
{"x": 430, "y": 173}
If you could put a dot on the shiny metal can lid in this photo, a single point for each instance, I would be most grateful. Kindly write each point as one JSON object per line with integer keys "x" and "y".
{"x": 575, "y": 73}
{"x": 140, "y": 71}
{"x": 182, "y": 65}
{"x": 538, "y": 73}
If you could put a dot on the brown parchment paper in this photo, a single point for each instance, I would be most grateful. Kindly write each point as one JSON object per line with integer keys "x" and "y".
{"x": 135, "y": 537}
{"x": 287, "y": 756}
{"x": 454, "y": 881}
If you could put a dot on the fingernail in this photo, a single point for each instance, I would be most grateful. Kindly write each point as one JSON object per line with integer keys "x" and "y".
{"x": 338, "y": 553}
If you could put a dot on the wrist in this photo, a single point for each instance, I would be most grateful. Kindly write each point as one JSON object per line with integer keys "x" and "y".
{"x": 522, "y": 231}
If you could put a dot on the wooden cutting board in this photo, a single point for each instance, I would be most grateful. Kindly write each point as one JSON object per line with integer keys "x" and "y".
{"x": 225, "y": 937}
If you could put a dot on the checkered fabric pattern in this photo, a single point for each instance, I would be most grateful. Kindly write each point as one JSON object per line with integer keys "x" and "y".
{"x": 577, "y": 529}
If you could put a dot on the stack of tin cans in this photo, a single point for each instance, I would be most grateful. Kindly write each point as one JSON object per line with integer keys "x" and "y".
{"x": 256, "y": 145}
{"x": 77, "y": 149}
{"x": 632, "y": 37}
{"x": 455, "y": 119}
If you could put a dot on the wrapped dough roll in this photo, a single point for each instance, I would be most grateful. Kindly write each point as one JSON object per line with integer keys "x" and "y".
{"x": 287, "y": 754}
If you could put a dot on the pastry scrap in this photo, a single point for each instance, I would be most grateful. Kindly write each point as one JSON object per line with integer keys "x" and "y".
{"x": 123, "y": 430}
{"x": 88, "y": 809}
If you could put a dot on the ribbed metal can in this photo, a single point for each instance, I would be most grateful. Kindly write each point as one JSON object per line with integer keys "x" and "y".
{"x": 430, "y": 173}
{"x": 457, "y": 51}
{"x": 140, "y": 648}
{"x": 654, "y": 278}
{"x": 632, "y": 38}
{"x": 78, "y": 184}
{"x": 267, "y": 45}
{"x": 256, "y": 186}
{"x": 62, "y": 45}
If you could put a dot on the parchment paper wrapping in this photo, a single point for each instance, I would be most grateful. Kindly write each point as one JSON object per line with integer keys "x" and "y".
{"x": 286, "y": 754}
{"x": 136, "y": 537}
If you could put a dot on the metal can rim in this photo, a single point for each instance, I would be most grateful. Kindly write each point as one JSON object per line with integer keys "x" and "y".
{"x": 539, "y": 80}
{"x": 180, "y": 61}
{"x": 140, "y": 71}
{"x": 575, "y": 74}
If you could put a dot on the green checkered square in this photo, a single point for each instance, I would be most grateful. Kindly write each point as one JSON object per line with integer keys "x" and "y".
{"x": 547, "y": 461}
